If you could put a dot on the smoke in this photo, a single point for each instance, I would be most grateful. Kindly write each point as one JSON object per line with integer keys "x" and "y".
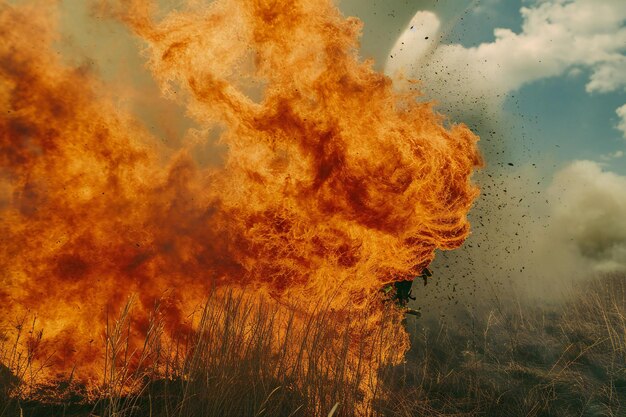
{"x": 588, "y": 216}
{"x": 536, "y": 238}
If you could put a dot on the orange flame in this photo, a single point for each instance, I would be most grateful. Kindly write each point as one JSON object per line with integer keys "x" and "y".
{"x": 333, "y": 183}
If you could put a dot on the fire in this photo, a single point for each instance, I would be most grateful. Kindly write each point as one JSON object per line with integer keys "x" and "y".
{"x": 333, "y": 183}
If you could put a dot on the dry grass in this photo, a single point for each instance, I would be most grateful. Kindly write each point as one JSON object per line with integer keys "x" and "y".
{"x": 501, "y": 359}
{"x": 518, "y": 360}
{"x": 247, "y": 358}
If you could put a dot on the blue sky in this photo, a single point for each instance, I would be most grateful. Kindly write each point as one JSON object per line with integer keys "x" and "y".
{"x": 558, "y": 112}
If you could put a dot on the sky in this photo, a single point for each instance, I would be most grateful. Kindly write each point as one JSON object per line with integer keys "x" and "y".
{"x": 543, "y": 82}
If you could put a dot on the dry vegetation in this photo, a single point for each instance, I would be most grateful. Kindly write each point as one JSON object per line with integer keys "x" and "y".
{"x": 511, "y": 359}
{"x": 503, "y": 359}
{"x": 242, "y": 361}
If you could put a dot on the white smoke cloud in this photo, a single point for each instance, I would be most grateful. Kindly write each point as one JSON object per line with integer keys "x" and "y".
{"x": 415, "y": 42}
{"x": 537, "y": 238}
{"x": 557, "y": 37}
{"x": 589, "y": 215}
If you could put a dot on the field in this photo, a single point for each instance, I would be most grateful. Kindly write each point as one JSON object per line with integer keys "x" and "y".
{"x": 503, "y": 357}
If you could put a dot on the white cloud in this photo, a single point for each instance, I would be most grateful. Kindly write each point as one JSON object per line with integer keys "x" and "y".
{"x": 621, "y": 125}
{"x": 485, "y": 6}
{"x": 557, "y": 36}
{"x": 612, "y": 155}
{"x": 608, "y": 77}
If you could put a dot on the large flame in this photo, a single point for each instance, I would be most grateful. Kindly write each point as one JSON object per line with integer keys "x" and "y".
{"x": 333, "y": 183}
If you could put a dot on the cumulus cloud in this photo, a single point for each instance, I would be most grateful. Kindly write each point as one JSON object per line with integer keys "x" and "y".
{"x": 557, "y": 36}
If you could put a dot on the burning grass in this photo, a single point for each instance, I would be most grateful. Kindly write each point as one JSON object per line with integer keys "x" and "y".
{"x": 506, "y": 359}
{"x": 246, "y": 358}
